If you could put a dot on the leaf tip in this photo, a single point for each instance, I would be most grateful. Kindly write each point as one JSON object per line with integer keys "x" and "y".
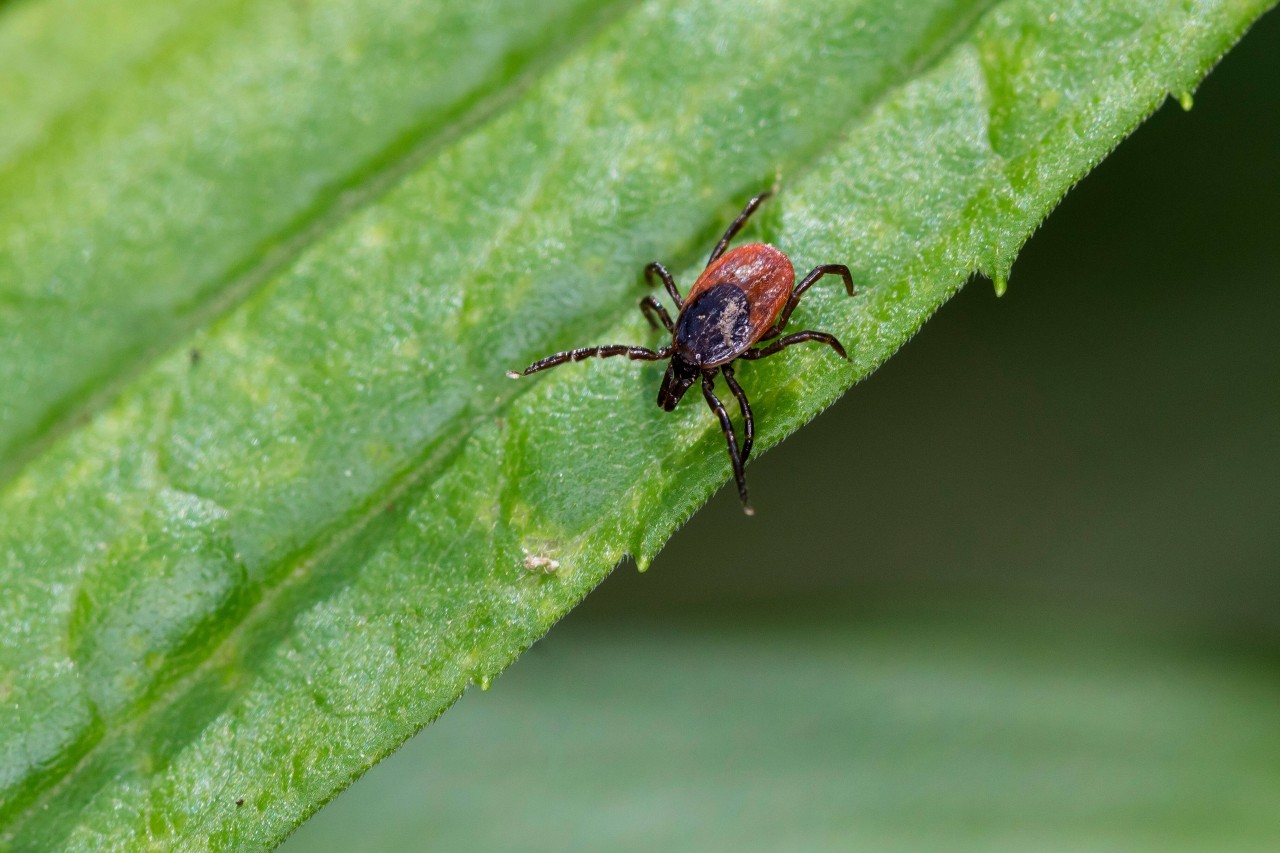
{"x": 1001, "y": 283}
{"x": 1186, "y": 101}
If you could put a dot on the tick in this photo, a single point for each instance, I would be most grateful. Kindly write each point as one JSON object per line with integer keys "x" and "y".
{"x": 743, "y": 298}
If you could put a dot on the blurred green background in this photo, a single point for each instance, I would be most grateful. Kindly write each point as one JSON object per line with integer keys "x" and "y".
{"x": 1019, "y": 589}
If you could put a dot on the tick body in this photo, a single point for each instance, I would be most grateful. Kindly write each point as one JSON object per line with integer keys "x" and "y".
{"x": 743, "y": 298}
{"x": 733, "y": 304}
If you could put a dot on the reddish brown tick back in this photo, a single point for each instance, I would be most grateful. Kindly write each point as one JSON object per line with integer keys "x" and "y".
{"x": 742, "y": 298}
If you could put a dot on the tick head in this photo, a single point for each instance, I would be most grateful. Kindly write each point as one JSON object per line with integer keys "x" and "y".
{"x": 680, "y": 375}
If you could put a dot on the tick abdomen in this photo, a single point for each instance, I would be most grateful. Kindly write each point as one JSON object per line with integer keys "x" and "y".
{"x": 733, "y": 303}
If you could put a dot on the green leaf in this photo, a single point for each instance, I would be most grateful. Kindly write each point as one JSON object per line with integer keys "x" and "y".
{"x": 248, "y": 575}
{"x": 159, "y": 163}
{"x": 903, "y": 731}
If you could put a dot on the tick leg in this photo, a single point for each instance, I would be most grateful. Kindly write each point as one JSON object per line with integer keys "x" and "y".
{"x": 709, "y": 391}
{"x": 650, "y": 307}
{"x": 749, "y": 422}
{"x": 657, "y": 269}
{"x": 633, "y": 353}
{"x": 814, "y": 274}
{"x": 797, "y": 338}
{"x": 736, "y": 226}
